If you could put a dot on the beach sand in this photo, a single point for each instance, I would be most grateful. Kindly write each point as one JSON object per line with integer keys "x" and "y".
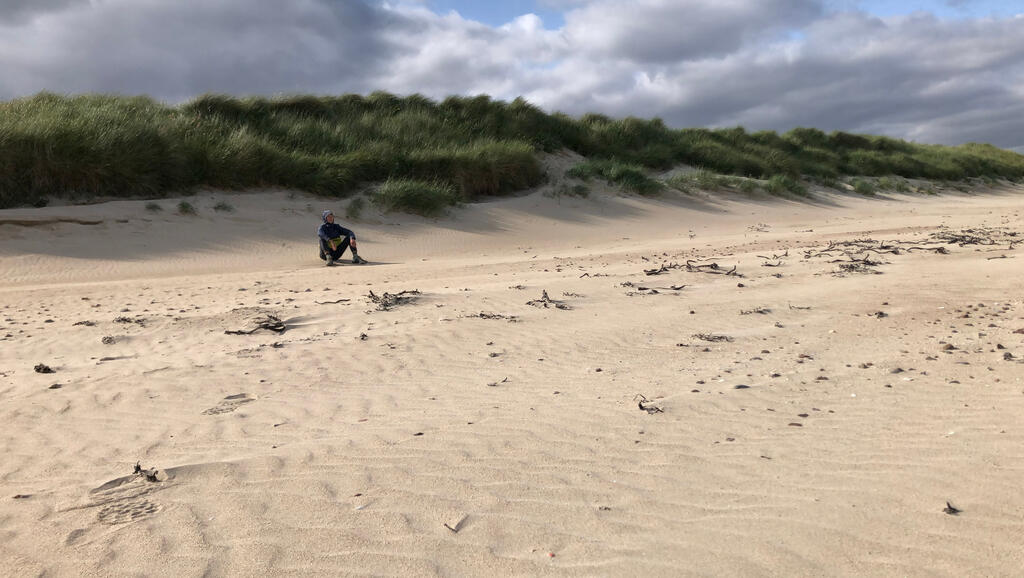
{"x": 802, "y": 418}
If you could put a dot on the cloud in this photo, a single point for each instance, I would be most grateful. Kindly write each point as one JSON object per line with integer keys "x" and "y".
{"x": 18, "y": 11}
{"x": 765, "y": 64}
{"x": 672, "y": 30}
{"x": 174, "y": 49}
{"x": 853, "y": 72}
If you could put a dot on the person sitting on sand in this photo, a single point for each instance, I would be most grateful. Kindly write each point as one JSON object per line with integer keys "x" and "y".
{"x": 334, "y": 239}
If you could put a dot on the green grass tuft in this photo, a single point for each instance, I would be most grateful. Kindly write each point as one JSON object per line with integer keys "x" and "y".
{"x": 896, "y": 184}
{"x": 706, "y": 180}
{"x": 429, "y": 199}
{"x": 154, "y": 207}
{"x": 863, "y": 187}
{"x": 780, "y": 184}
{"x": 186, "y": 208}
{"x": 629, "y": 177}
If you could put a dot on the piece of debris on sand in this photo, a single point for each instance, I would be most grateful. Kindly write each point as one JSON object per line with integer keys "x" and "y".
{"x": 254, "y": 320}
{"x": 388, "y": 301}
{"x": 547, "y": 302}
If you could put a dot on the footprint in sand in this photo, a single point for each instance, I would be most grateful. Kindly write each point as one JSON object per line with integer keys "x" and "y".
{"x": 74, "y": 536}
{"x": 123, "y": 500}
{"x": 230, "y": 404}
{"x": 130, "y": 511}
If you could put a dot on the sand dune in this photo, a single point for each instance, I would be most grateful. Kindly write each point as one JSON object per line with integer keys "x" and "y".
{"x": 805, "y": 415}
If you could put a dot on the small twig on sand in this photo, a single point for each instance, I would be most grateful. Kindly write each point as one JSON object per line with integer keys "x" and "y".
{"x": 482, "y": 315}
{"x": 546, "y": 302}
{"x": 268, "y": 322}
{"x": 389, "y": 300}
{"x": 713, "y": 268}
{"x": 713, "y": 338}
{"x": 650, "y": 407}
{"x": 663, "y": 269}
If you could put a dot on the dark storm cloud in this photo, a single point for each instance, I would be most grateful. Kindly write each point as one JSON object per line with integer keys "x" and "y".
{"x": 174, "y": 50}
{"x": 17, "y": 11}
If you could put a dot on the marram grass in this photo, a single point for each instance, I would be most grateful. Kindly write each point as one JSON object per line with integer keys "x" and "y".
{"x": 100, "y": 145}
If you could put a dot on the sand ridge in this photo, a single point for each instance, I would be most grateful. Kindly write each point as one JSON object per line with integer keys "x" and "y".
{"x": 571, "y": 390}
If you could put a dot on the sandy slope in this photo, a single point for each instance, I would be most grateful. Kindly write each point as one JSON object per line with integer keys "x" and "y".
{"x": 344, "y": 445}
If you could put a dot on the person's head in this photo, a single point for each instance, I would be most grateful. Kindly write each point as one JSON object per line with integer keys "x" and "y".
{"x": 328, "y": 216}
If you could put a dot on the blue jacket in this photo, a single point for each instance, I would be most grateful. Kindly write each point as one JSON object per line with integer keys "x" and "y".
{"x": 328, "y": 231}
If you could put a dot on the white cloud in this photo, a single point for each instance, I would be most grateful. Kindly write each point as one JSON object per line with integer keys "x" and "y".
{"x": 665, "y": 31}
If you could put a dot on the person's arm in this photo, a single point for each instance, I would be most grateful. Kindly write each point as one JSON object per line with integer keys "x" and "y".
{"x": 351, "y": 237}
{"x": 322, "y": 233}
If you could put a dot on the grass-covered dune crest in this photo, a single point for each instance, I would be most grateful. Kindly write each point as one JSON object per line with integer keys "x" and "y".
{"x": 461, "y": 147}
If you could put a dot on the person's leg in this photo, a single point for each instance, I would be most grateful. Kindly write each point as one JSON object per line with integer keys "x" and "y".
{"x": 342, "y": 246}
{"x": 355, "y": 255}
{"x": 332, "y": 255}
{"x": 327, "y": 254}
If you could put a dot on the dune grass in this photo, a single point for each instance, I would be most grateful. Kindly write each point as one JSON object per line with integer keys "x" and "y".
{"x": 629, "y": 177}
{"x": 91, "y": 145}
{"x": 429, "y": 199}
{"x": 710, "y": 181}
{"x": 864, "y": 187}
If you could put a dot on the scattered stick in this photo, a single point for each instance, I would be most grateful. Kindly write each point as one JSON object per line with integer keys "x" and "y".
{"x": 967, "y": 237}
{"x": 268, "y": 322}
{"x": 758, "y": 310}
{"x": 713, "y": 338}
{"x": 940, "y": 250}
{"x": 332, "y": 302}
{"x": 509, "y": 318}
{"x": 650, "y": 407}
{"x": 665, "y": 268}
{"x": 456, "y": 523}
{"x": 640, "y": 290}
{"x": 546, "y": 302}
{"x": 712, "y": 268}
{"x": 863, "y": 266}
{"x": 151, "y": 474}
{"x": 388, "y": 301}
{"x": 137, "y": 320}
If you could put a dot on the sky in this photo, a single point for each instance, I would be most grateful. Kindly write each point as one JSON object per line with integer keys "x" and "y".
{"x": 934, "y": 71}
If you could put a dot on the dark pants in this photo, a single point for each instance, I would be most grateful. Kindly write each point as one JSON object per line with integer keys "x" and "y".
{"x": 325, "y": 249}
